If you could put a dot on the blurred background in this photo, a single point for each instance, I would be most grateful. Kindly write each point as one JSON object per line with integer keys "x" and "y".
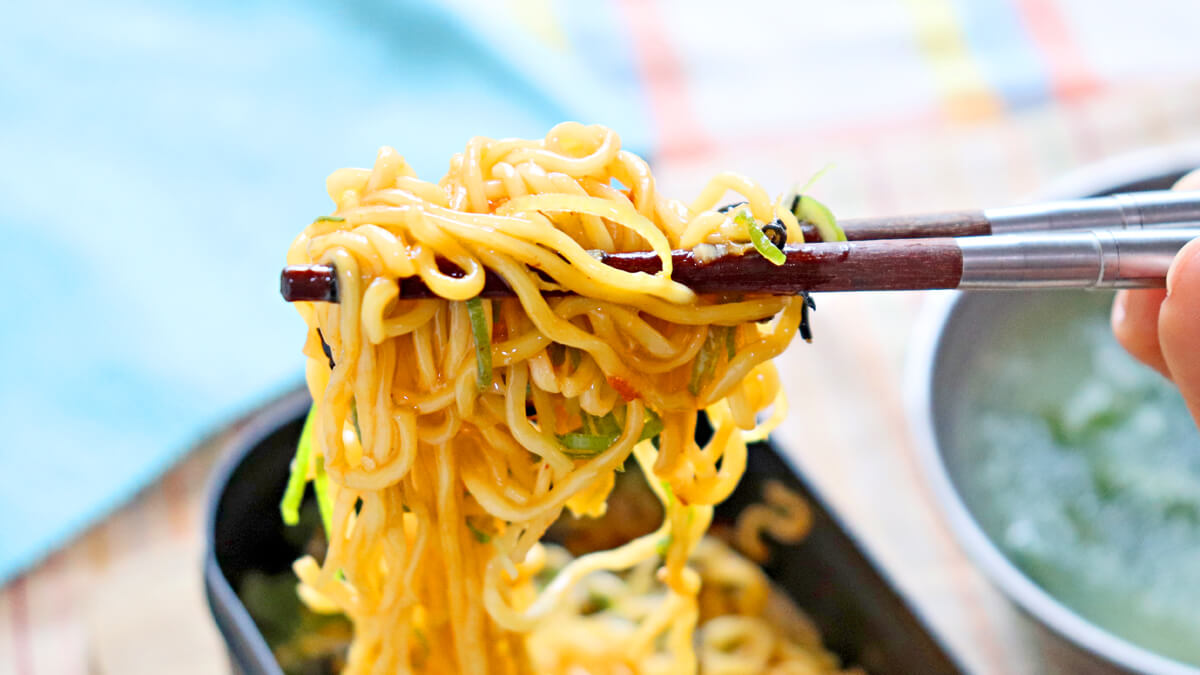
{"x": 158, "y": 158}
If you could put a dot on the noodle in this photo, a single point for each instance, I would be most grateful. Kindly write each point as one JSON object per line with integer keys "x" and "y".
{"x": 784, "y": 515}
{"x": 454, "y": 431}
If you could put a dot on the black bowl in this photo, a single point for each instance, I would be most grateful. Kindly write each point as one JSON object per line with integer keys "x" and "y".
{"x": 861, "y": 616}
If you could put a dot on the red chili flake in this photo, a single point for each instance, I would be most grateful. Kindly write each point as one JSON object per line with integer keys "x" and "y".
{"x": 623, "y": 388}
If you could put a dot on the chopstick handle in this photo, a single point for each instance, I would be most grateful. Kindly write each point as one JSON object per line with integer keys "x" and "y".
{"x": 1131, "y": 211}
{"x": 948, "y": 224}
{"x": 1092, "y": 259}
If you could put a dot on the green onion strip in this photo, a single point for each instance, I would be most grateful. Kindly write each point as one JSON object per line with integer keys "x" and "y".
{"x": 599, "y": 433}
{"x": 483, "y": 341}
{"x": 759, "y": 238}
{"x": 324, "y": 499}
{"x": 289, "y": 506}
{"x": 819, "y": 215}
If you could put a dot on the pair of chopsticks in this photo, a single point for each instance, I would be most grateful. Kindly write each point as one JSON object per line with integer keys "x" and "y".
{"x": 1120, "y": 241}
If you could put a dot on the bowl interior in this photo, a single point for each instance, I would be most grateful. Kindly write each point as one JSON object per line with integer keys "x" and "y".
{"x": 860, "y": 615}
{"x": 1016, "y": 373}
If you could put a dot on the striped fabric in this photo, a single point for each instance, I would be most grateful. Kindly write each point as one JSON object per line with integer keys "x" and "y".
{"x": 920, "y": 104}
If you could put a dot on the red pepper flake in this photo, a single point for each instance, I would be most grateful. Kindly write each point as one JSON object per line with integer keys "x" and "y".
{"x": 623, "y": 388}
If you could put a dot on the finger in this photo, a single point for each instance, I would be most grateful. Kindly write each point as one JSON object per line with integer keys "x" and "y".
{"x": 1135, "y": 313}
{"x": 1135, "y": 323}
{"x": 1179, "y": 325}
{"x": 1190, "y": 181}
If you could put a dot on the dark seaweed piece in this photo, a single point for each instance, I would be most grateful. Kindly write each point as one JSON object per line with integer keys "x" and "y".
{"x": 805, "y": 327}
{"x": 776, "y": 233}
{"x": 326, "y": 348}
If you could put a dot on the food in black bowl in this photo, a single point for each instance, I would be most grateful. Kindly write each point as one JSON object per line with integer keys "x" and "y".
{"x": 859, "y": 616}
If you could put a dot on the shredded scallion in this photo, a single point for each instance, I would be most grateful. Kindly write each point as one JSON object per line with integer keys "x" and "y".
{"x": 580, "y": 445}
{"x": 480, "y": 536}
{"x": 813, "y": 211}
{"x": 324, "y": 499}
{"x": 815, "y": 177}
{"x": 663, "y": 546}
{"x": 483, "y": 342}
{"x": 599, "y": 433}
{"x": 759, "y": 238}
{"x": 705, "y": 364}
{"x": 330, "y": 219}
{"x": 293, "y": 494}
{"x": 354, "y": 419}
{"x": 596, "y": 603}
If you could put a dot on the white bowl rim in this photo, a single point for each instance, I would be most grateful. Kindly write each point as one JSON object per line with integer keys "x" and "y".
{"x": 919, "y": 371}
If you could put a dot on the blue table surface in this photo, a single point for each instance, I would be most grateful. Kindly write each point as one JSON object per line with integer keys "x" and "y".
{"x": 158, "y": 159}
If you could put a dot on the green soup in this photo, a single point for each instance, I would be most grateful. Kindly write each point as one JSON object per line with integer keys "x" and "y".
{"x": 1084, "y": 467}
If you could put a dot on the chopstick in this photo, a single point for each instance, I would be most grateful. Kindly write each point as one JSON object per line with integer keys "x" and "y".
{"x": 1132, "y": 211}
{"x": 1090, "y": 259}
{"x": 957, "y": 249}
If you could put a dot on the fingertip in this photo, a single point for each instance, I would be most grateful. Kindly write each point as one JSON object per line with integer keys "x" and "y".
{"x": 1190, "y": 181}
{"x": 1182, "y": 268}
{"x": 1120, "y": 312}
{"x": 1179, "y": 322}
{"x": 1135, "y": 324}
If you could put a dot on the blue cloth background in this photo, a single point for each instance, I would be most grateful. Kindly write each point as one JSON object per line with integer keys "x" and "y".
{"x": 158, "y": 158}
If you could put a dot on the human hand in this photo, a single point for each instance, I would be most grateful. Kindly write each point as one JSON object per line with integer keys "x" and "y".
{"x": 1161, "y": 328}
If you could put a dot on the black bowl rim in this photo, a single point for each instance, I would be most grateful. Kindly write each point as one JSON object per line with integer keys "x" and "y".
{"x": 233, "y": 620}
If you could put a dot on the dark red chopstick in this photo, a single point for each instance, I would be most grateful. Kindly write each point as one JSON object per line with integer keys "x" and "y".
{"x": 919, "y": 226}
{"x": 887, "y": 263}
{"x": 895, "y": 264}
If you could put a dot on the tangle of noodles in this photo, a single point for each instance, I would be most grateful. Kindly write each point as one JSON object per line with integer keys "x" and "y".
{"x": 444, "y": 471}
{"x": 746, "y": 627}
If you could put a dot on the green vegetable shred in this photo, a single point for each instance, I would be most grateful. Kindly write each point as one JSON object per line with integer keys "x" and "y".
{"x": 289, "y": 506}
{"x": 663, "y": 546}
{"x": 324, "y": 499}
{"x": 813, "y": 211}
{"x": 705, "y": 364}
{"x": 599, "y": 433}
{"x": 480, "y": 536}
{"x": 483, "y": 342}
{"x": 757, "y": 237}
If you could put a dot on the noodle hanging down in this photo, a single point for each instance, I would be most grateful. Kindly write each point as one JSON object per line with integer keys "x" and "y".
{"x": 450, "y": 433}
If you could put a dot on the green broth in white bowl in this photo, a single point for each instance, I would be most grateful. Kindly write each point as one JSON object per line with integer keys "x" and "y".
{"x": 1083, "y": 467}
{"x": 1068, "y": 472}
